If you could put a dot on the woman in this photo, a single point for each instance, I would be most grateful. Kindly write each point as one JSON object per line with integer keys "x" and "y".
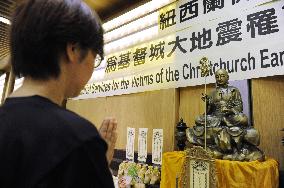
{"x": 53, "y": 46}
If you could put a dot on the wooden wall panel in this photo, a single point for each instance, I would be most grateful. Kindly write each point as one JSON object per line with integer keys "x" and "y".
{"x": 191, "y": 104}
{"x": 156, "y": 109}
{"x": 92, "y": 109}
{"x": 268, "y": 115}
{"x": 162, "y": 109}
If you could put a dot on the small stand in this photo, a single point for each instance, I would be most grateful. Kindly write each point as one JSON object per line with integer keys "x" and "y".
{"x": 181, "y": 134}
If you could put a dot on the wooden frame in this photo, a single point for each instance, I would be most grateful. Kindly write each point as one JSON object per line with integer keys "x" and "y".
{"x": 5, "y": 65}
{"x": 199, "y": 166}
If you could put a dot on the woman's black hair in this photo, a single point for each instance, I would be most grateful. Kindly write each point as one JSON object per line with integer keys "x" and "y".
{"x": 41, "y": 29}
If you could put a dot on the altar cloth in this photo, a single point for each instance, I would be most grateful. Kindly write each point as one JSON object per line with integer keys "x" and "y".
{"x": 230, "y": 174}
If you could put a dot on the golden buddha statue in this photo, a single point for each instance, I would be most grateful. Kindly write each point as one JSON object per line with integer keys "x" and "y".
{"x": 228, "y": 134}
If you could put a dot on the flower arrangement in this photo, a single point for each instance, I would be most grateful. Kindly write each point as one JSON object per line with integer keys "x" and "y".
{"x": 135, "y": 175}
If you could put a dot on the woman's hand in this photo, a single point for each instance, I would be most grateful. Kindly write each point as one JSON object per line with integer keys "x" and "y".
{"x": 109, "y": 134}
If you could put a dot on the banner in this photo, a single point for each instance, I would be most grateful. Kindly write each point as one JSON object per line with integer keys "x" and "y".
{"x": 247, "y": 43}
{"x": 130, "y": 143}
{"x": 157, "y": 146}
{"x": 142, "y": 144}
{"x": 186, "y": 13}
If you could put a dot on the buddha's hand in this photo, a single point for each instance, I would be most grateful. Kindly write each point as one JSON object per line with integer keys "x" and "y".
{"x": 205, "y": 97}
{"x": 227, "y": 110}
{"x": 109, "y": 134}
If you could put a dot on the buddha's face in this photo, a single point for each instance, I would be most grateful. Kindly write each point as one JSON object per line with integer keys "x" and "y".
{"x": 222, "y": 77}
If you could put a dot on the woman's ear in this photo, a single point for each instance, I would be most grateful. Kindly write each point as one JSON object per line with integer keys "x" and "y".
{"x": 72, "y": 52}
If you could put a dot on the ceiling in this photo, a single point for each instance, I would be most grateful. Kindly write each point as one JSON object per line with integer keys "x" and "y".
{"x": 5, "y": 11}
{"x": 106, "y": 9}
{"x": 109, "y": 9}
